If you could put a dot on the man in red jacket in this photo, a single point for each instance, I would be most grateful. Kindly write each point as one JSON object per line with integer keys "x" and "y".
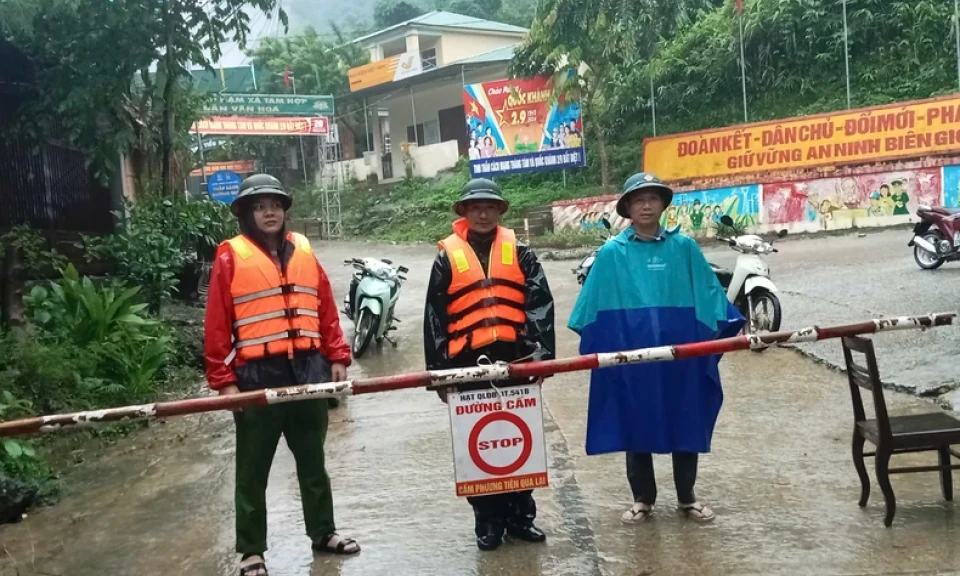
{"x": 271, "y": 322}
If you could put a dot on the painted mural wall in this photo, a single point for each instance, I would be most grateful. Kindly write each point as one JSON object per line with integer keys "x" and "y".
{"x": 810, "y": 205}
{"x": 862, "y": 200}
{"x": 951, "y": 186}
{"x": 698, "y": 213}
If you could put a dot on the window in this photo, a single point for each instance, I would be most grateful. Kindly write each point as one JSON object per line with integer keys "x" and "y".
{"x": 429, "y": 58}
{"x": 427, "y": 133}
{"x": 419, "y": 135}
{"x": 431, "y": 132}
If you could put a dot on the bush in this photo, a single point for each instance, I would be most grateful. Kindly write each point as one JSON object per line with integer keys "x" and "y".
{"x": 18, "y": 458}
{"x": 50, "y": 376}
{"x": 77, "y": 310}
{"x": 36, "y": 258}
{"x": 162, "y": 237}
{"x": 115, "y": 350}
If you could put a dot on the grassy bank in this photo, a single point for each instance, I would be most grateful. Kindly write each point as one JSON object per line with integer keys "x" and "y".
{"x": 419, "y": 209}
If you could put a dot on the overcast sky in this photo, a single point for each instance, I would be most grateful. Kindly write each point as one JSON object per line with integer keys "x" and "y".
{"x": 301, "y": 13}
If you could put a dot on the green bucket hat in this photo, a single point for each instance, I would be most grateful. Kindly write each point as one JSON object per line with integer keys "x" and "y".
{"x": 260, "y": 185}
{"x": 642, "y": 181}
{"x": 480, "y": 189}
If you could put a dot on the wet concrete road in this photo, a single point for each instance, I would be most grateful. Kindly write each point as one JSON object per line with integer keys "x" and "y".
{"x": 844, "y": 279}
{"x": 780, "y": 477}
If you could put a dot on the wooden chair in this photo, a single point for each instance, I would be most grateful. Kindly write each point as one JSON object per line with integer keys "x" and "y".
{"x": 931, "y": 432}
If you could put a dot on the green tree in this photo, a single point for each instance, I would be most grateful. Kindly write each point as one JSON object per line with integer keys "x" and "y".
{"x": 16, "y": 17}
{"x": 794, "y": 54}
{"x": 568, "y": 37}
{"x": 95, "y": 63}
{"x": 387, "y": 13}
{"x": 319, "y": 66}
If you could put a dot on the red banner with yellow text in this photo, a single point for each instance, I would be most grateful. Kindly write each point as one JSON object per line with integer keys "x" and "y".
{"x": 238, "y": 166}
{"x": 262, "y": 126}
{"x": 895, "y": 131}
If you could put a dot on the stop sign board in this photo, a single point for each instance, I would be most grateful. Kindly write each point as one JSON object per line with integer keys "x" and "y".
{"x": 498, "y": 440}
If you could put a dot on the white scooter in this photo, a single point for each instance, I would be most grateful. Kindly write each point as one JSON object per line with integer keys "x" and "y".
{"x": 372, "y": 300}
{"x": 748, "y": 285}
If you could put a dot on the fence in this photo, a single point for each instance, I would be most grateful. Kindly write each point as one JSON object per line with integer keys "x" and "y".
{"x": 44, "y": 185}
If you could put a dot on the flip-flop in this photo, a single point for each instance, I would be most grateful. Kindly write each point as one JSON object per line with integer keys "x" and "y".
{"x": 341, "y": 548}
{"x": 637, "y": 513}
{"x": 697, "y": 512}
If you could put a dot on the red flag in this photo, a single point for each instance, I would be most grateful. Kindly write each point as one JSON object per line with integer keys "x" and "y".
{"x": 739, "y": 6}
{"x": 286, "y": 76}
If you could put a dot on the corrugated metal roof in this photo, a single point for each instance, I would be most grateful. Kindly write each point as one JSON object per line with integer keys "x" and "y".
{"x": 498, "y": 55}
{"x": 441, "y": 19}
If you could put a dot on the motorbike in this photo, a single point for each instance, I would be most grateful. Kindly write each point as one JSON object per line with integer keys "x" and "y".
{"x": 371, "y": 301}
{"x": 936, "y": 237}
{"x": 584, "y": 267}
{"x": 748, "y": 286}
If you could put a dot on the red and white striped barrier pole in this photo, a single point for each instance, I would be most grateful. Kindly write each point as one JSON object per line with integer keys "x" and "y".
{"x": 484, "y": 373}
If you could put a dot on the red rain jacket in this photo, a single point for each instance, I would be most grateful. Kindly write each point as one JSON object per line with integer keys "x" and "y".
{"x": 217, "y": 333}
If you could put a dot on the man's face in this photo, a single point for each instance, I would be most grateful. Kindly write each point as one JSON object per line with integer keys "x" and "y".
{"x": 897, "y": 187}
{"x": 482, "y": 216}
{"x": 646, "y": 207}
{"x": 268, "y": 214}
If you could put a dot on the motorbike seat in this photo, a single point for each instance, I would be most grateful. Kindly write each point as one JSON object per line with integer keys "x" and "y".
{"x": 723, "y": 274}
{"x": 945, "y": 211}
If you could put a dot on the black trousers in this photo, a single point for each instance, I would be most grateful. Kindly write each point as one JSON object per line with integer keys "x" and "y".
{"x": 643, "y": 482}
{"x": 518, "y": 508}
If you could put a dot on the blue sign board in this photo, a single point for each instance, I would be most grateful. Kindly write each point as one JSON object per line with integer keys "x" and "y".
{"x": 223, "y": 186}
{"x": 529, "y": 162}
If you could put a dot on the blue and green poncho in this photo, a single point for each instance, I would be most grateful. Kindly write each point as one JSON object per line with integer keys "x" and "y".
{"x": 642, "y": 294}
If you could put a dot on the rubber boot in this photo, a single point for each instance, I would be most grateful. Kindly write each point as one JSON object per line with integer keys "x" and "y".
{"x": 489, "y": 535}
{"x": 522, "y": 512}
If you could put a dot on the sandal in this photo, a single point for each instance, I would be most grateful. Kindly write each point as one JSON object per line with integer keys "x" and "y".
{"x": 696, "y": 512}
{"x": 637, "y": 513}
{"x": 255, "y": 569}
{"x": 341, "y": 547}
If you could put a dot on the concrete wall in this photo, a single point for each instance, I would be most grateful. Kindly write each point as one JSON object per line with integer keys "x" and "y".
{"x": 851, "y": 198}
{"x": 458, "y": 46}
{"x": 345, "y": 171}
{"x": 429, "y": 100}
{"x": 429, "y": 160}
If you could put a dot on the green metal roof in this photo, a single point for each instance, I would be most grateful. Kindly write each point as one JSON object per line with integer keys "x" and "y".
{"x": 498, "y": 55}
{"x": 441, "y": 19}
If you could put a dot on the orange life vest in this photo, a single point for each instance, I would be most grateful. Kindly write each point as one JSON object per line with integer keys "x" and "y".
{"x": 484, "y": 307}
{"x": 274, "y": 313}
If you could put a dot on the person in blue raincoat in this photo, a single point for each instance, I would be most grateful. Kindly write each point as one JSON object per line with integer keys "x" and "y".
{"x": 653, "y": 287}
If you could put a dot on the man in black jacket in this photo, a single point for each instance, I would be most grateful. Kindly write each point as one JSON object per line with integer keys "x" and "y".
{"x": 488, "y": 297}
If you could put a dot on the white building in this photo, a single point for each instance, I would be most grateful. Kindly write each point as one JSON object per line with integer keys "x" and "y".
{"x": 411, "y": 93}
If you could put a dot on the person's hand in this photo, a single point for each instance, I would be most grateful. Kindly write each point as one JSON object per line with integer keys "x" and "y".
{"x": 338, "y": 372}
{"x": 230, "y": 391}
